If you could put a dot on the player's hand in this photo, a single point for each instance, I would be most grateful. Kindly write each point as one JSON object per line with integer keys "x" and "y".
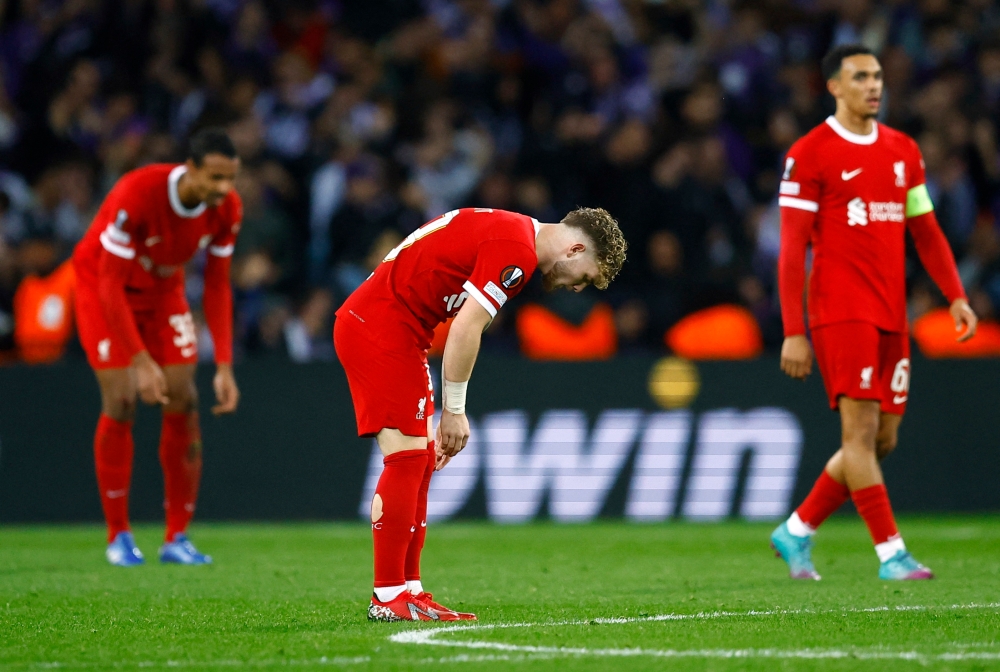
{"x": 962, "y": 313}
{"x": 226, "y": 392}
{"x": 797, "y": 357}
{"x": 452, "y": 435}
{"x": 150, "y": 380}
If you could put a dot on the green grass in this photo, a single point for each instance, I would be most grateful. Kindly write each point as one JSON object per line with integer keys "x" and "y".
{"x": 295, "y": 595}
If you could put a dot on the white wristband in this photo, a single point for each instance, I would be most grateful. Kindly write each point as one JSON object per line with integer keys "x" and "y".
{"x": 454, "y": 397}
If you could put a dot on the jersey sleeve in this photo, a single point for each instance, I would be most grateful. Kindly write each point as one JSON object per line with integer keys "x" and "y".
{"x": 119, "y": 234}
{"x": 918, "y": 200}
{"x": 224, "y": 241}
{"x": 503, "y": 268}
{"x": 800, "y": 181}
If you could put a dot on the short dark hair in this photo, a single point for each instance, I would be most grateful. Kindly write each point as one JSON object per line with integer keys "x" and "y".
{"x": 835, "y": 58}
{"x": 211, "y": 140}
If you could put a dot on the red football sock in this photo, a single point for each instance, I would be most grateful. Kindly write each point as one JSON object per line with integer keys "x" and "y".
{"x": 180, "y": 457}
{"x": 826, "y": 496}
{"x": 394, "y": 510}
{"x": 873, "y": 505}
{"x": 412, "y": 565}
{"x": 113, "y": 449}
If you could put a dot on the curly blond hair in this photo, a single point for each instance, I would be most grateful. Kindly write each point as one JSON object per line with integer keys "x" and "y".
{"x": 609, "y": 243}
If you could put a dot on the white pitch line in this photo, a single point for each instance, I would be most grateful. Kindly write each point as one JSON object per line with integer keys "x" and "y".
{"x": 429, "y": 637}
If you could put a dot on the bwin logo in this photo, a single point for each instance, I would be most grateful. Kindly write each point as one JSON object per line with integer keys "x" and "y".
{"x": 857, "y": 213}
{"x": 576, "y": 464}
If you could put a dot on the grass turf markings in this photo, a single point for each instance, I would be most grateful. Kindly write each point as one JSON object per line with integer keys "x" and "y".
{"x": 430, "y": 637}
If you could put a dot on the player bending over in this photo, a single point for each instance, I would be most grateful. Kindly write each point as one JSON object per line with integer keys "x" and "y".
{"x": 851, "y": 188}
{"x": 465, "y": 264}
{"x": 136, "y": 326}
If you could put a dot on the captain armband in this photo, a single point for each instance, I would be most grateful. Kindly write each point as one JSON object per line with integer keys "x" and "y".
{"x": 918, "y": 202}
{"x": 454, "y": 396}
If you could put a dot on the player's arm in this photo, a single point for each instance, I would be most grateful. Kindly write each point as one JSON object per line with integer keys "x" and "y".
{"x": 460, "y": 352}
{"x": 798, "y": 217}
{"x": 935, "y": 254}
{"x": 113, "y": 270}
{"x": 217, "y": 304}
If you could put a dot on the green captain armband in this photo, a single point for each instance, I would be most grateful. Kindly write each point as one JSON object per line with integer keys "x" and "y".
{"x": 918, "y": 201}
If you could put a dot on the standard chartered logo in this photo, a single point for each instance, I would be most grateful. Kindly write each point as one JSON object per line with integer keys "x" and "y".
{"x": 572, "y": 463}
{"x": 857, "y": 213}
{"x": 860, "y": 213}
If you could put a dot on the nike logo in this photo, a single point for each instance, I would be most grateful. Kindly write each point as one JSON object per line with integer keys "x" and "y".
{"x": 845, "y": 176}
{"x": 153, "y": 240}
{"x": 899, "y": 399}
{"x": 415, "y": 610}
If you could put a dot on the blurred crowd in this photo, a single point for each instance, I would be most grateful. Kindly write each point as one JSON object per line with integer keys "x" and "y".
{"x": 358, "y": 120}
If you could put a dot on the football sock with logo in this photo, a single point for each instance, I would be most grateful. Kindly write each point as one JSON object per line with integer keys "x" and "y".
{"x": 412, "y": 565}
{"x": 826, "y": 496}
{"x": 394, "y": 509}
{"x": 113, "y": 449}
{"x": 873, "y": 506}
{"x": 180, "y": 457}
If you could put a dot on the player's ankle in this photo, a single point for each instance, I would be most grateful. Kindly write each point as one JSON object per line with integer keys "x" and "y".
{"x": 414, "y": 586}
{"x": 888, "y": 549}
{"x": 389, "y": 593}
{"x": 797, "y": 527}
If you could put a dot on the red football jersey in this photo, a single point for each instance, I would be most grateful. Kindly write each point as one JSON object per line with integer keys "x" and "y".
{"x": 480, "y": 254}
{"x": 864, "y": 190}
{"x": 143, "y": 219}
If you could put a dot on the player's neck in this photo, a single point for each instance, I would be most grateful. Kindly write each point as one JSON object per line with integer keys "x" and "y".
{"x": 185, "y": 191}
{"x": 547, "y": 246}
{"x": 855, "y": 123}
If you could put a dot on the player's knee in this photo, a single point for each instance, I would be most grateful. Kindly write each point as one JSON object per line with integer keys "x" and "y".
{"x": 184, "y": 399}
{"x": 119, "y": 407}
{"x": 885, "y": 444}
{"x": 861, "y": 434}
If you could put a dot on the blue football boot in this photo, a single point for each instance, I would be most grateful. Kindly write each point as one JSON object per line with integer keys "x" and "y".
{"x": 123, "y": 552}
{"x": 903, "y": 567}
{"x": 796, "y": 551}
{"x": 182, "y": 552}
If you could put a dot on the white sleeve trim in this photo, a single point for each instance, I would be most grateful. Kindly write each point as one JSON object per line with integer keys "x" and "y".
{"x": 800, "y": 203}
{"x": 116, "y": 249}
{"x": 480, "y": 298}
{"x": 222, "y": 250}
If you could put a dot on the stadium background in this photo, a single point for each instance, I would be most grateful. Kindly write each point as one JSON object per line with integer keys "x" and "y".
{"x": 357, "y": 121}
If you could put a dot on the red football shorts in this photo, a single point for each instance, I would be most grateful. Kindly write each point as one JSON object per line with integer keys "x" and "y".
{"x": 391, "y": 387}
{"x": 167, "y": 330}
{"x": 860, "y": 361}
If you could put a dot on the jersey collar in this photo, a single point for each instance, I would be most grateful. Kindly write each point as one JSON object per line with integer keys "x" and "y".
{"x": 175, "y": 197}
{"x": 538, "y": 226}
{"x": 839, "y": 129}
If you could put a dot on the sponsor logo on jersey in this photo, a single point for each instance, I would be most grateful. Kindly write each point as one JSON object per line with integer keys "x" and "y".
{"x": 866, "y": 377}
{"x": 860, "y": 213}
{"x": 789, "y": 169}
{"x": 496, "y": 293}
{"x": 789, "y": 188}
{"x": 857, "y": 213}
{"x": 845, "y": 175}
{"x": 511, "y": 277}
{"x": 899, "y": 168}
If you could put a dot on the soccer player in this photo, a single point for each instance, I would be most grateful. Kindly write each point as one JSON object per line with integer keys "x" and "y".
{"x": 136, "y": 328}
{"x": 465, "y": 264}
{"x": 852, "y": 188}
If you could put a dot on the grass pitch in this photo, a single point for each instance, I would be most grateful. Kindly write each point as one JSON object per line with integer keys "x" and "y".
{"x": 590, "y": 597}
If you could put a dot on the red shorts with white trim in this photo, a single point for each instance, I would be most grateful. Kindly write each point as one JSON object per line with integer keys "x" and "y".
{"x": 391, "y": 388}
{"x": 166, "y": 328}
{"x": 860, "y": 361}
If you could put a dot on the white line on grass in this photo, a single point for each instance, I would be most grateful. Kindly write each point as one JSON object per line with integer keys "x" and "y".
{"x": 429, "y": 637}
